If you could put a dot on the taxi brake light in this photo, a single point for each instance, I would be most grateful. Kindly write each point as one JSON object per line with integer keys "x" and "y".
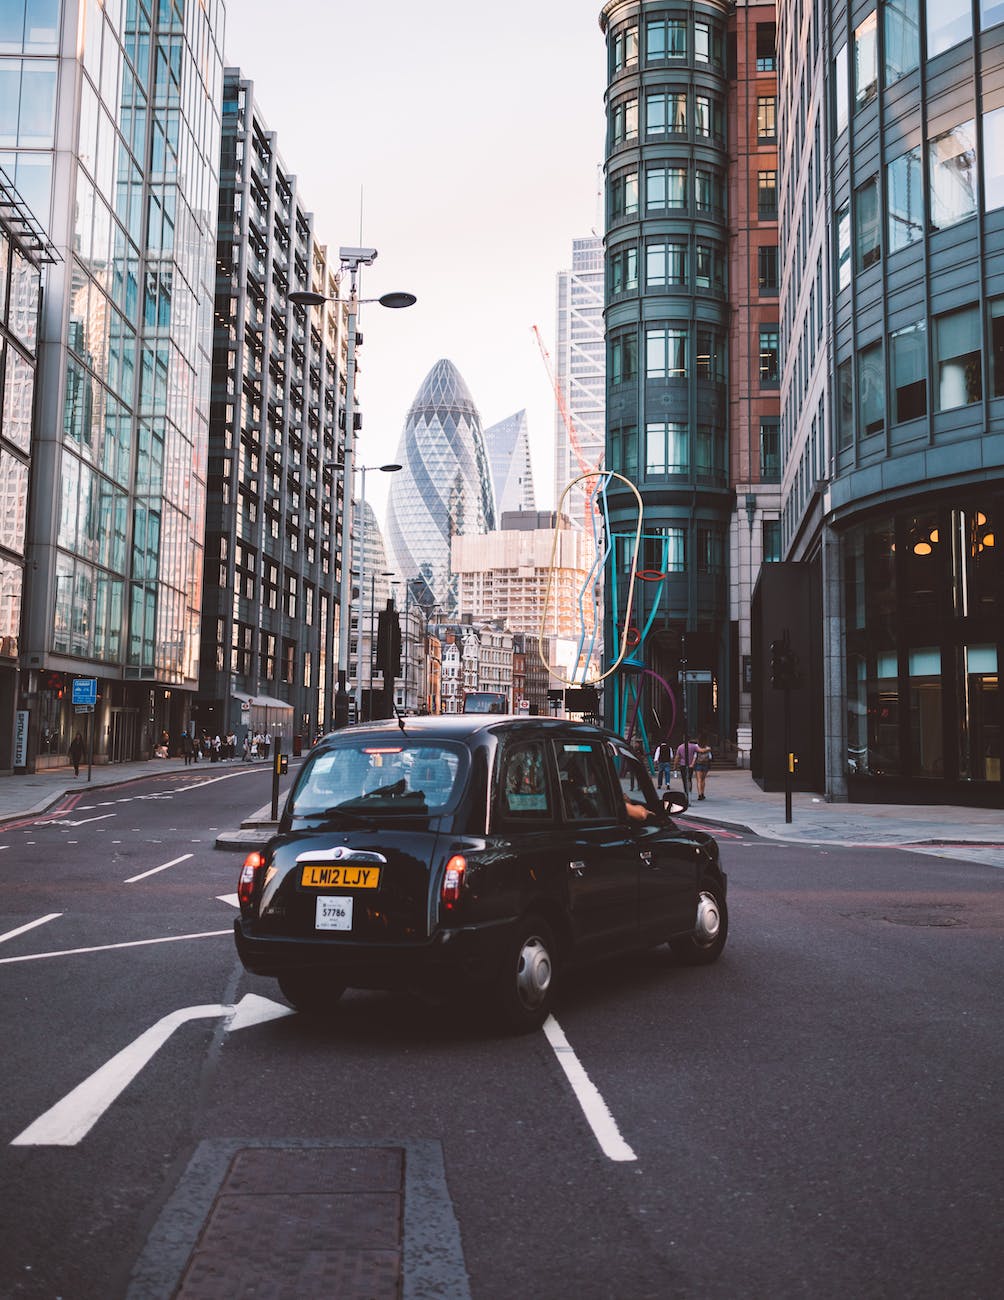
{"x": 453, "y": 880}
{"x": 253, "y": 864}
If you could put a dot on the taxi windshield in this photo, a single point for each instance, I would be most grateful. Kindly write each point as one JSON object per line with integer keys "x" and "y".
{"x": 367, "y": 779}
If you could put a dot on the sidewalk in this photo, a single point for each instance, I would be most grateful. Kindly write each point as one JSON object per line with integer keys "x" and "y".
{"x": 734, "y": 802}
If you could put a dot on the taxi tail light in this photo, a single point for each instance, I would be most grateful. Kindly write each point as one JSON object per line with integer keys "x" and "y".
{"x": 253, "y": 864}
{"x": 453, "y": 881}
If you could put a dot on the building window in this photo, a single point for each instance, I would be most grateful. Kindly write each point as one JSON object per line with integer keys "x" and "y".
{"x": 665, "y": 265}
{"x": 993, "y": 155}
{"x": 868, "y": 241}
{"x": 845, "y": 403}
{"x": 710, "y": 454}
{"x": 707, "y": 44}
{"x": 625, "y": 48}
{"x": 991, "y": 13}
{"x": 667, "y": 449}
{"x": 952, "y": 159}
{"x": 948, "y": 23}
{"x": 665, "y": 188}
{"x": 666, "y": 113}
{"x": 957, "y": 358}
{"x": 710, "y": 550}
{"x": 624, "y": 195}
{"x": 770, "y": 357}
{"x": 770, "y": 540}
{"x": 996, "y": 309}
{"x": 843, "y": 248}
{"x": 708, "y": 267}
{"x": 871, "y": 389}
{"x": 624, "y": 270}
{"x": 901, "y": 22}
{"x": 623, "y": 358}
{"x": 766, "y": 47}
{"x": 663, "y": 550}
{"x": 909, "y": 372}
{"x": 766, "y": 260}
{"x": 766, "y": 119}
{"x": 866, "y": 61}
{"x": 840, "y": 90}
{"x": 666, "y": 352}
{"x": 624, "y": 122}
{"x": 666, "y": 38}
{"x": 766, "y": 195}
{"x": 709, "y": 193}
{"x": 710, "y": 359}
{"x": 905, "y": 200}
{"x": 770, "y": 450}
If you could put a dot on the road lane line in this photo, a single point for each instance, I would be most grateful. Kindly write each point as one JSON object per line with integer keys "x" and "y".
{"x": 594, "y": 1108}
{"x": 111, "y": 947}
{"x": 22, "y": 929}
{"x": 153, "y": 870}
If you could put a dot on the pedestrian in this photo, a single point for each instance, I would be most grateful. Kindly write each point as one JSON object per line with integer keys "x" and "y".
{"x": 701, "y": 764}
{"x": 685, "y": 755}
{"x": 247, "y": 747}
{"x": 187, "y": 747}
{"x": 663, "y": 760}
{"x": 77, "y": 750}
{"x": 267, "y": 743}
{"x": 255, "y": 746}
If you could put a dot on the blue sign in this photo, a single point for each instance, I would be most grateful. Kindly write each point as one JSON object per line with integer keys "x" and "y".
{"x": 85, "y": 690}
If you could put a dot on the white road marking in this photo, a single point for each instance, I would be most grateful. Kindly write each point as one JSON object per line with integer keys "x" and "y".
{"x": 153, "y": 870}
{"x": 594, "y": 1108}
{"x": 112, "y": 947}
{"x": 71, "y": 1119}
{"x": 22, "y": 929}
{"x": 63, "y": 821}
{"x": 232, "y": 899}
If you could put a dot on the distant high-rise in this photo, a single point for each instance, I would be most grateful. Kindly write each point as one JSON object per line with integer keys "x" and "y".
{"x": 445, "y": 489}
{"x": 579, "y": 370}
{"x": 508, "y": 447}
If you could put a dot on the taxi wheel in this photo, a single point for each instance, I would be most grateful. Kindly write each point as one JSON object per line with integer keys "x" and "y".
{"x": 705, "y": 943}
{"x": 525, "y": 983}
{"x": 314, "y": 995}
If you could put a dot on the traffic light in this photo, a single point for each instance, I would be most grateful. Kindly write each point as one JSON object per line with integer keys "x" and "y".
{"x": 388, "y": 649}
{"x": 785, "y": 668}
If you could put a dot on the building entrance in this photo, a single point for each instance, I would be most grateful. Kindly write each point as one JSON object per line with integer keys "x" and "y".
{"x": 123, "y": 736}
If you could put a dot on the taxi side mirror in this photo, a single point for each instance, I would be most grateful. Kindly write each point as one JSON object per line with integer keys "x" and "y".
{"x": 675, "y": 802}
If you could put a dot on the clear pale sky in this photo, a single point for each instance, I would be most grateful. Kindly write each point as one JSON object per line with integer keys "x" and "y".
{"x": 470, "y": 135}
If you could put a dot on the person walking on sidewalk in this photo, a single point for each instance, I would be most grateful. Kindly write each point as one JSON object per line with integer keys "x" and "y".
{"x": 685, "y": 755}
{"x": 701, "y": 764}
{"x": 187, "y": 747}
{"x": 663, "y": 760}
{"x": 77, "y": 752}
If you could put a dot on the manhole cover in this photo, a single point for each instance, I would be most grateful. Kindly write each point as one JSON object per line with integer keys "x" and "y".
{"x": 941, "y": 915}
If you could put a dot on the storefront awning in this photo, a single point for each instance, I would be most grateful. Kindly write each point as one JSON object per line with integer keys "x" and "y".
{"x": 262, "y": 701}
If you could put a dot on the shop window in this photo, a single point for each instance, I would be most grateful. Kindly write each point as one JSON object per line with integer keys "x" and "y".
{"x": 904, "y": 200}
{"x": 975, "y": 560}
{"x": 871, "y": 389}
{"x": 978, "y": 704}
{"x": 957, "y": 358}
{"x": 949, "y": 22}
{"x": 866, "y": 61}
{"x": 952, "y": 160}
{"x": 925, "y": 716}
{"x": 908, "y": 361}
{"x": 901, "y": 26}
{"x": 868, "y": 241}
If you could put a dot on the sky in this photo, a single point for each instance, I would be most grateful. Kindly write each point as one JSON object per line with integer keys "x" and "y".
{"x": 463, "y": 140}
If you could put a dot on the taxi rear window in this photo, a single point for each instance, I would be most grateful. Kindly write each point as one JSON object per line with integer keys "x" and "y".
{"x": 379, "y": 778}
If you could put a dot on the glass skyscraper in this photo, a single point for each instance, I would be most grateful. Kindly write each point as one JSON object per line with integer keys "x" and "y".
{"x": 445, "y": 488}
{"x": 125, "y": 184}
{"x": 508, "y": 447}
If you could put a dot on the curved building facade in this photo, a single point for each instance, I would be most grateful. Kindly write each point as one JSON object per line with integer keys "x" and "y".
{"x": 445, "y": 488}
{"x": 667, "y": 324}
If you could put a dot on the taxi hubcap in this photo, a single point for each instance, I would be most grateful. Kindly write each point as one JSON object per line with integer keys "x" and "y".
{"x": 533, "y": 972}
{"x": 709, "y": 919}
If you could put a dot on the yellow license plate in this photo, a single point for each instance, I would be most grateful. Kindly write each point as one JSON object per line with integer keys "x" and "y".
{"x": 343, "y": 876}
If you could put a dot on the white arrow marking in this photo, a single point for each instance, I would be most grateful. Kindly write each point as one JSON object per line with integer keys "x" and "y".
{"x": 66, "y": 822}
{"x": 153, "y": 870}
{"x": 73, "y": 1118}
{"x": 232, "y": 899}
{"x": 22, "y": 929}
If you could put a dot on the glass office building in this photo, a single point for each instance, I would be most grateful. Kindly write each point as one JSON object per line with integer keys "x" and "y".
{"x": 111, "y": 114}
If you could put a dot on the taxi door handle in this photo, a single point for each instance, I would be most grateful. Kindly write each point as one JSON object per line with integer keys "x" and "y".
{"x": 576, "y": 868}
{"x": 646, "y": 857}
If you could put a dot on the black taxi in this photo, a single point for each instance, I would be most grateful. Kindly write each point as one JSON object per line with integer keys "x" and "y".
{"x": 473, "y": 852}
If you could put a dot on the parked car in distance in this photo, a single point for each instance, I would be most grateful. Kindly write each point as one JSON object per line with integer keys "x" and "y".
{"x": 473, "y": 853}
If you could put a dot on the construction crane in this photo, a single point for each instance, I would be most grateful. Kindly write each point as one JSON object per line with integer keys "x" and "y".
{"x": 566, "y": 415}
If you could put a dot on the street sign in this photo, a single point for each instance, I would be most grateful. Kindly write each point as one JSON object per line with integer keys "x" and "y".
{"x": 85, "y": 690}
{"x": 697, "y": 676}
{"x": 83, "y": 708}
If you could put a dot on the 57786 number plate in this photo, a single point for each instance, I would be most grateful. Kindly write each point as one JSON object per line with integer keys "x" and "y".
{"x": 333, "y": 913}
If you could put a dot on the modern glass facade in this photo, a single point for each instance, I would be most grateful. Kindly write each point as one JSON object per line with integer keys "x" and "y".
{"x": 119, "y": 104}
{"x": 899, "y": 105}
{"x": 508, "y": 446}
{"x": 579, "y": 370}
{"x": 445, "y": 489}
{"x": 273, "y": 526}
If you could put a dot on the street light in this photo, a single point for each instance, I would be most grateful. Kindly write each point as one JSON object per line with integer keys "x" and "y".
{"x": 351, "y": 259}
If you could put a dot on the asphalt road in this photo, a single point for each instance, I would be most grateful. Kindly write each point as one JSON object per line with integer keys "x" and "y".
{"x": 814, "y": 1115}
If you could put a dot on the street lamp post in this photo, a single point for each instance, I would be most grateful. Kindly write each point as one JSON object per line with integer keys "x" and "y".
{"x": 351, "y": 259}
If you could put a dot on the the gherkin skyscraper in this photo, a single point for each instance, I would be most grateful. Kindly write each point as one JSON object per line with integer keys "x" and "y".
{"x": 445, "y": 488}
